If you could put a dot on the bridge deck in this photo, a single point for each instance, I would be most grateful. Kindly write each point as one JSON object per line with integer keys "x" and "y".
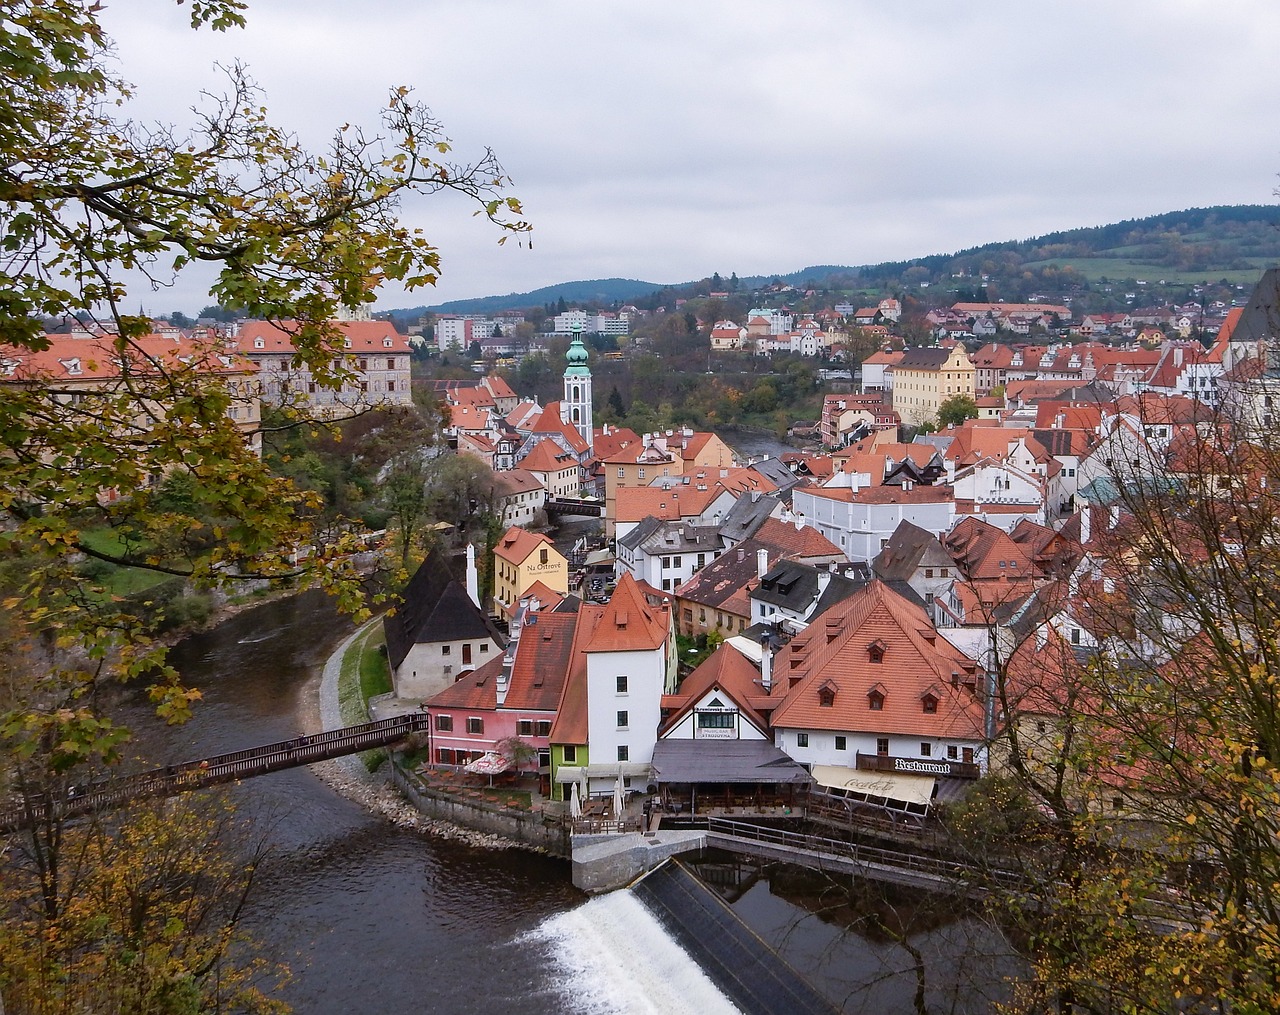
{"x": 189, "y": 775}
{"x": 895, "y": 866}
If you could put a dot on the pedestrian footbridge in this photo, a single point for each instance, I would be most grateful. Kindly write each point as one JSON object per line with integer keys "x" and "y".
{"x": 189, "y": 775}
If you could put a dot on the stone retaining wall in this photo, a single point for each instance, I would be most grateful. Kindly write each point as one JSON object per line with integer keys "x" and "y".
{"x": 525, "y": 827}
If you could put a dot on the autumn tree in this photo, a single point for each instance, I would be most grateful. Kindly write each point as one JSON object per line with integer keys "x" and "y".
{"x": 91, "y": 202}
{"x": 1136, "y": 703}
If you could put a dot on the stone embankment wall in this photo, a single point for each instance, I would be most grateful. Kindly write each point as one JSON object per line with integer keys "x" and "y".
{"x": 528, "y": 828}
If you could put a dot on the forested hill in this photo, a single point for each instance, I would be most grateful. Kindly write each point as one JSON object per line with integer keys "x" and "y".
{"x": 1208, "y": 243}
{"x": 1226, "y": 242}
{"x": 601, "y": 290}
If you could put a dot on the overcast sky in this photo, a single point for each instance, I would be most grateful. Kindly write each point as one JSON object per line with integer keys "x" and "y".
{"x": 664, "y": 141}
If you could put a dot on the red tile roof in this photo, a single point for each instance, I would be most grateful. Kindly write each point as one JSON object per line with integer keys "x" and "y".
{"x": 795, "y": 542}
{"x": 517, "y": 544}
{"x": 364, "y": 336}
{"x": 543, "y": 656}
{"x": 836, "y": 652}
{"x": 726, "y": 670}
{"x": 628, "y": 623}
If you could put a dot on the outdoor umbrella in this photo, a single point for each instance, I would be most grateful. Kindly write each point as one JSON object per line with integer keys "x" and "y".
{"x": 575, "y": 804}
{"x": 490, "y": 763}
{"x": 618, "y": 802}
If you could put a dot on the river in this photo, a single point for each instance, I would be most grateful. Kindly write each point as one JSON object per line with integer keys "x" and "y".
{"x": 374, "y": 918}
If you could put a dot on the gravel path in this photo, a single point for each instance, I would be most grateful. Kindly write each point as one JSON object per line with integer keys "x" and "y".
{"x": 319, "y": 710}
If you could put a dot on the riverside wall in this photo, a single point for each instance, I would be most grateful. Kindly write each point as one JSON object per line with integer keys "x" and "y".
{"x": 525, "y": 827}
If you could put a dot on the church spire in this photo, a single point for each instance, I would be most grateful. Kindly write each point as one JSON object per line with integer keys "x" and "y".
{"x": 576, "y": 407}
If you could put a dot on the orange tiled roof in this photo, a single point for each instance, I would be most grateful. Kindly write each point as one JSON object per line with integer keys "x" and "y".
{"x": 548, "y": 456}
{"x": 69, "y": 358}
{"x": 726, "y": 670}
{"x": 364, "y": 336}
{"x": 517, "y": 544}
{"x": 836, "y": 652}
{"x": 628, "y": 623}
{"x": 793, "y": 541}
{"x": 542, "y": 663}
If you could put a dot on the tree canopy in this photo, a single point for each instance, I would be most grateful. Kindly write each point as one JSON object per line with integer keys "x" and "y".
{"x": 129, "y": 457}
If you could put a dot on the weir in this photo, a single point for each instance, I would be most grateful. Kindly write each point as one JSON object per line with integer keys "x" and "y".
{"x": 750, "y": 973}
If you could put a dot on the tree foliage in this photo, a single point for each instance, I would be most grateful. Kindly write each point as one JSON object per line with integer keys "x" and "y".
{"x": 956, "y": 409}
{"x": 1145, "y": 744}
{"x": 148, "y": 469}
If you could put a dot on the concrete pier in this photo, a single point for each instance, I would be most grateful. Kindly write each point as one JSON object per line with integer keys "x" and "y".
{"x": 602, "y": 863}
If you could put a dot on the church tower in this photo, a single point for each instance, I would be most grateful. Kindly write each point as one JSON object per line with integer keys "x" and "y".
{"x": 576, "y": 407}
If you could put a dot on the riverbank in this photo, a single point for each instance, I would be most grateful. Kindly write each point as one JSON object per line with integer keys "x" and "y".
{"x": 320, "y": 708}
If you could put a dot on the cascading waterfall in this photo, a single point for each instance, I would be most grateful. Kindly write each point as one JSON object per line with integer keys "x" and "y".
{"x": 612, "y": 957}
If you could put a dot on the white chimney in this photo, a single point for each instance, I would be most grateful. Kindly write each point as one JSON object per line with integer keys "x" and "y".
{"x": 473, "y": 576}
{"x": 824, "y": 579}
{"x": 762, "y": 562}
{"x": 766, "y": 663}
{"x": 1085, "y": 512}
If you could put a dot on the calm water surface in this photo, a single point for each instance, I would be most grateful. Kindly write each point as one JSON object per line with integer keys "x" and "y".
{"x": 369, "y": 917}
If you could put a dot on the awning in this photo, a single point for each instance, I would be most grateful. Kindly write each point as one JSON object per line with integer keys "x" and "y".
{"x": 907, "y": 789}
{"x": 609, "y": 770}
{"x": 566, "y": 774}
{"x": 725, "y": 761}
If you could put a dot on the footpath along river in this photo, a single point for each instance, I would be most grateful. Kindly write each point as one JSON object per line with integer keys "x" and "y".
{"x": 375, "y": 918}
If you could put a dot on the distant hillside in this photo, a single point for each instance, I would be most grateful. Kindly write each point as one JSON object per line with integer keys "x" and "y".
{"x": 602, "y": 290}
{"x": 1226, "y": 243}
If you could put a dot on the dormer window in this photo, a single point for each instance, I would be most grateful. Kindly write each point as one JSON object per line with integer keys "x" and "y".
{"x": 875, "y": 652}
{"x": 875, "y": 701}
{"x": 386, "y": 343}
{"x": 929, "y": 704}
{"x": 259, "y": 343}
{"x": 826, "y": 696}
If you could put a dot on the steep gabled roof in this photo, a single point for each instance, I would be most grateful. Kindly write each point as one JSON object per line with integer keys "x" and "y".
{"x": 908, "y": 548}
{"x": 548, "y": 456}
{"x": 836, "y": 652}
{"x": 628, "y": 623}
{"x": 434, "y": 607}
{"x": 985, "y": 552}
{"x": 543, "y": 659}
{"x": 726, "y": 670}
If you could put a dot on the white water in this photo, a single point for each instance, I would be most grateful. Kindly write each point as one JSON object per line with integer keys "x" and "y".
{"x": 612, "y": 957}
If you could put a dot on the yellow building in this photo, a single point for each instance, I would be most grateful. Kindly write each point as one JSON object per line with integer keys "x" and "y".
{"x": 925, "y": 378}
{"x": 521, "y": 559}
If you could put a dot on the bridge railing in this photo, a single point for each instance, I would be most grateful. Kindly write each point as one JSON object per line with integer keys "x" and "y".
{"x": 219, "y": 768}
{"x": 861, "y": 854}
